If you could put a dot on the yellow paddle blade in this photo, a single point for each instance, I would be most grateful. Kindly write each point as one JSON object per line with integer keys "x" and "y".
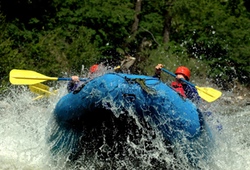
{"x": 39, "y": 97}
{"x": 27, "y": 77}
{"x": 42, "y": 90}
{"x": 41, "y": 86}
{"x": 208, "y": 94}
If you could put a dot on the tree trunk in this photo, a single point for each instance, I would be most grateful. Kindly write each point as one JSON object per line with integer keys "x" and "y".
{"x": 167, "y": 26}
{"x": 167, "y": 20}
{"x": 137, "y": 13}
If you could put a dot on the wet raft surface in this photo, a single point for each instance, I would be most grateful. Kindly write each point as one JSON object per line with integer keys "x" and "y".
{"x": 113, "y": 110}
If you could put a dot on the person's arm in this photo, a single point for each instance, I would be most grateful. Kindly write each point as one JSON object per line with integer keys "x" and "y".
{"x": 72, "y": 85}
{"x": 191, "y": 93}
{"x": 158, "y": 71}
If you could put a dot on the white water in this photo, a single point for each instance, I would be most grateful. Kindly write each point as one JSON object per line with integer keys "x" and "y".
{"x": 23, "y": 125}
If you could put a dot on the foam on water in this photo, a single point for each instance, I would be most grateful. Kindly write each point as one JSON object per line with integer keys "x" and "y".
{"x": 22, "y": 127}
{"x": 23, "y": 142}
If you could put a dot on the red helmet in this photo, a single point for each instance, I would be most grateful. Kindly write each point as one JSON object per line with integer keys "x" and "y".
{"x": 93, "y": 68}
{"x": 184, "y": 71}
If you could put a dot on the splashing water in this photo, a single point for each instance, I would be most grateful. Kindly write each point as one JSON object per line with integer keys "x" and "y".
{"x": 23, "y": 145}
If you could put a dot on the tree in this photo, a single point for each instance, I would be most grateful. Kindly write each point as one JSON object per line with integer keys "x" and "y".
{"x": 137, "y": 14}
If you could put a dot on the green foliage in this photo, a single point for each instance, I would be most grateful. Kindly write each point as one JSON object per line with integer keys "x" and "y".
{"x": 172, "y": 56}
{"x": 54, "y": 53}
{"x": 50, "y": 53}
{"x": 10, "y": 58}
{"x": 220, "y": 40}
{"x": 110, "y": 20}
{"x": 54, "y": 37}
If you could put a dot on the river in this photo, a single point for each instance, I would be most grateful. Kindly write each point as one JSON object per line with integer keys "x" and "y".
{"x": 24, "y": 123}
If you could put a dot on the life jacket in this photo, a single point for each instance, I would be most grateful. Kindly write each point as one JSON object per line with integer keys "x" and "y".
{"x": 179, "y": 88}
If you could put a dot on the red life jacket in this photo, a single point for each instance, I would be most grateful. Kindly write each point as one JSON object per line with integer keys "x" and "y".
{"x": 179, "y": 88}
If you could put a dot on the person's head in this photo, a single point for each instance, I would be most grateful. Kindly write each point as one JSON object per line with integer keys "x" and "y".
{"x": 93, "y": 68}
{"x": 182, "y": 70}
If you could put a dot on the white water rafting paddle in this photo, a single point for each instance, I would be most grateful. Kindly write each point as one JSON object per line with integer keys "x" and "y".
{"x": 207, "y": 93}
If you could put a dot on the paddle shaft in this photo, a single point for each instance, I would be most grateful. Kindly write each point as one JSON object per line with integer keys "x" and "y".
{"x": 206, "y": 93}
{"x": 172, "y": 74}
{"x": 50, "y": 78}
{"x": 69, "y": 79}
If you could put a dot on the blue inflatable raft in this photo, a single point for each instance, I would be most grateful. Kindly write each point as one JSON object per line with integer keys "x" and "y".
{"x": 147, "y": 97}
